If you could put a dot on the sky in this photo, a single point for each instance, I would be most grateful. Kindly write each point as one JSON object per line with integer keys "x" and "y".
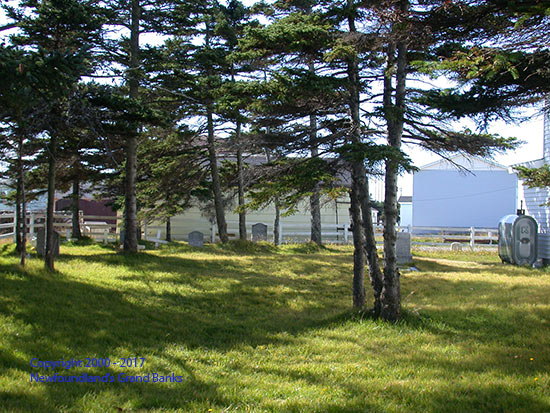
{"x": 529, "y": 131}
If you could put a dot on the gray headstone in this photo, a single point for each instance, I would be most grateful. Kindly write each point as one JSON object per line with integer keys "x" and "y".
{"x": 41, "y": 242}
{"x": 403, "y": 248}
{"x": 196, "y": 239}
{"x": 259, "y": 232}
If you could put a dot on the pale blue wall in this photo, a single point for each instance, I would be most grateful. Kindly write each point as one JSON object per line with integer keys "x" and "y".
{"x": 406, "y": 214}
{"x": 453, "y": 199}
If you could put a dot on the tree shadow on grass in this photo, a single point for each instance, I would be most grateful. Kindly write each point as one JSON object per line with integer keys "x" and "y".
{"x": 435, "y": 265}
{"x": 305, "y": 274}
{"x": 61, "y": 317}
{"x": 65, "y": 318}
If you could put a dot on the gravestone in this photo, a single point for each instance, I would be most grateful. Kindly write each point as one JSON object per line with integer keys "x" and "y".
{"x": 403, "y": 248}
{"x": 196, "y": 239}
{"x": 456, "y": 246}
{"x": 259, "y": 232}
{"x": 41, "y": 242}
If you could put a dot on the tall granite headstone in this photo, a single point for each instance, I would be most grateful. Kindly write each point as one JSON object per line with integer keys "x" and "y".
{"x": 41, "y": 242}
{"x": 259, "y": 232}
{"x": 403, "y": 248}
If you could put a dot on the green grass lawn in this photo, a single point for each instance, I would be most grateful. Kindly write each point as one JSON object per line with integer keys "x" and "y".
{"x": 264, "y": 329}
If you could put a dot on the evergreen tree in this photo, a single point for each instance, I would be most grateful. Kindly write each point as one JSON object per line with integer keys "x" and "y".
{"x": 299, "y": 102}
{"x": 61, "y": 33}
{"x": 172, "y": 172}
{"x": 21, "y": 111}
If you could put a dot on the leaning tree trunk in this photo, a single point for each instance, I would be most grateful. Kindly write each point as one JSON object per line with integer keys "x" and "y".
{"x": 49, "y": 235}
{"x": 359, "y": 174}
{"x": 358, "y": 248}
{"x": 75, "y": 232}
{"x": 240, "y": 184}
{"x": 394, "y": 113}
{"x": 375, "y": 273}
{"x": 130, "y": 201}
{"x": 216, "y": 184}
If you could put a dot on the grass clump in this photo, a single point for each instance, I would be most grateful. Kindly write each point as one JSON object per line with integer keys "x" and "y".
{"x": 273, "y": 332}
{"x": 247, "y": 247}
{"x": 82, "y": 241}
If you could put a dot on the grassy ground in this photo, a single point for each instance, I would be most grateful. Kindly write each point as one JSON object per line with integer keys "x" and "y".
{"x": 259, "y": 329}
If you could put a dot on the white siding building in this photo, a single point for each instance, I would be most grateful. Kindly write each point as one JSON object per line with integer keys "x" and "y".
{"x": 534, "y": 199}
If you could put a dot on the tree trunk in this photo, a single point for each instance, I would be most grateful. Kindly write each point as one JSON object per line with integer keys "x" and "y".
{"x": 75, "y": 233}
{"x": 375, "y": 273}
{"x": 48, "y": 255}
{"x": 20, "y": 227}
{"x": 315, "y": 204}
{"x": 359, "y": 174}
{"x": 168, "y": 229}
{"x": 240, "y": 184}
{"x": 394, "y": 113}
{"x": 17, "y": 217}
{"x": 216, "y": 184}
{"x": 130, "y": 201}
{"x": 315, "y": 201}
{"x": 358, "y": 249}
{"x": 277, "y": 223}
{"x": 24, "y": 215}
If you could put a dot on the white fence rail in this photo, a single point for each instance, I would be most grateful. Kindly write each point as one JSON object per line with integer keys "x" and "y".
{"x": 341, "y": 233}
{"x": 96, "y": 227}
{"x": 104, "y": 228}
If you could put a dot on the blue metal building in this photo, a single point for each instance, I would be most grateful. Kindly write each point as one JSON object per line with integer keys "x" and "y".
{"x": 463, "y": 192}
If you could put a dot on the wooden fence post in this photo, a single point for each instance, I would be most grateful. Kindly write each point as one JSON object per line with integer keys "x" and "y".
{"x": 472, "y": 237}
{"x": 346, "y": 235}
{"x": 31, "y": 233}
{"x": 14, "y": 221}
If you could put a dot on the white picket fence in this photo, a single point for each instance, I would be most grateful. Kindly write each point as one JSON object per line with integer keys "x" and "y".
{"x": 341, "y": 233}
{"x": 104, "y": 228}
{"x": 94, "y": 226}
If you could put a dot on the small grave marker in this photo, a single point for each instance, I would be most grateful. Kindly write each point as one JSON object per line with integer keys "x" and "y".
{"x": 196, "y": 239}
{"x": 259, "y": 232}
